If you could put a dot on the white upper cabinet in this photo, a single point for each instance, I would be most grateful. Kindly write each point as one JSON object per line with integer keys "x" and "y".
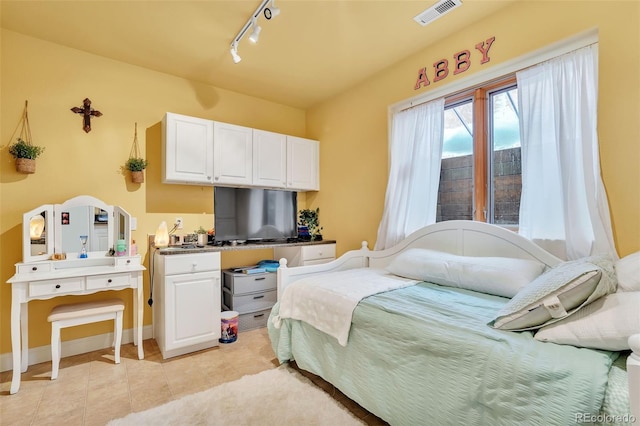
{"x": 303, "y": 158}
{"x": 269, "y": 159}
{"x": 206, "y": 152}
{"x": 187, "y": 150}
{"x": 232, "y": 154}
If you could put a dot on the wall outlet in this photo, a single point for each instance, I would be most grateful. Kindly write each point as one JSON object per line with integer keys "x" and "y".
{"x": 178, "y": 223}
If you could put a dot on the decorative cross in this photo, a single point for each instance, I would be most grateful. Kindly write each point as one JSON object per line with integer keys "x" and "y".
{"x": 87, "y": 111}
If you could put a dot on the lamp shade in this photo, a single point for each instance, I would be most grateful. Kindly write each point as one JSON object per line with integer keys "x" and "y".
{"x": 162, "y": 235}
{"x": 36, "y": 227}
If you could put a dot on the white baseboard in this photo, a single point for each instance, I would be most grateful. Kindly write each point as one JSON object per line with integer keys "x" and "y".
{"x": 75, "y": 347}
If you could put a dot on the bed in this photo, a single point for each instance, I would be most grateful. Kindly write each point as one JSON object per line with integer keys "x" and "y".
{"x": 445, "y": 350}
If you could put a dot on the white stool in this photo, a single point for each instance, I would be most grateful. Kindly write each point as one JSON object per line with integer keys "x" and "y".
{"x": 84, "y": 313}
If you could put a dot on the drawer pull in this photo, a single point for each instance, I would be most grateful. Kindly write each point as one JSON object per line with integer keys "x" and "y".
{"x": 35, "y": 268}
{"x": 258, "y": 316}
{"x": 128, "y": 261}
{"x": 109, "y": 280}
{"x": 258, "y": 297}
{"x": 260, "y": 278}
{"x": 57, "y": 285}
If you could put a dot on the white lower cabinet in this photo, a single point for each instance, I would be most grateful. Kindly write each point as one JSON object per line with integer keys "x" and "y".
{"x": 306, "y": 255}
{"x": 186, "y": 302}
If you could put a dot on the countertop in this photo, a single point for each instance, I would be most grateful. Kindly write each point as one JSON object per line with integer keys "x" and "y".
{"x": 247, "y": 246}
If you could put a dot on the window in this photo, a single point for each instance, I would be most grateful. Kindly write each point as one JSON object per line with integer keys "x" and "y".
{"x": 480, "y": 177}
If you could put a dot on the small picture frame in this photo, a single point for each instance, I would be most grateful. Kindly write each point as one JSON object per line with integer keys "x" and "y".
{"x": 64, "y": 218}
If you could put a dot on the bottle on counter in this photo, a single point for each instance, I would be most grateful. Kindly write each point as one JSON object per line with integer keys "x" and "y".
{"x": 134, "y": 248}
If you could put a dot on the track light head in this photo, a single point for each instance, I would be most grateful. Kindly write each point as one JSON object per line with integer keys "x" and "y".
{"x": 255, "y": 34}
{"x": 234, "y": 53}
{"x": 271, "y": 12}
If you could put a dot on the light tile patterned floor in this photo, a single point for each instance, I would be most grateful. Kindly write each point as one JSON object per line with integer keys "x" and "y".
{"x": 91, "y": 389}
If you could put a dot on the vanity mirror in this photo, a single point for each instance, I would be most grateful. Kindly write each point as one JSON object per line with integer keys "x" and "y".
{"x": 83, "y": 222}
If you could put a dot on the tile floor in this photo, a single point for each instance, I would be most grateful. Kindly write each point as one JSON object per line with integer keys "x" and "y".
{"x": 91, "y": 389}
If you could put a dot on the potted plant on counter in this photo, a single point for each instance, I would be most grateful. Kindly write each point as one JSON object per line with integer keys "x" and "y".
{"x": 310, "y": 219}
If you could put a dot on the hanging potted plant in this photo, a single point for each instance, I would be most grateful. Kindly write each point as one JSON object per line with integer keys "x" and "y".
{"x": 309, "y": 220}
{"x": 25, "y": 155}
{"x": 23, "y": 150}
{"x": 136, "y": 164}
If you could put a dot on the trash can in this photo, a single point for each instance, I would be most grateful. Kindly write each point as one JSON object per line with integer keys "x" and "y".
{"x": 228, "y": 327}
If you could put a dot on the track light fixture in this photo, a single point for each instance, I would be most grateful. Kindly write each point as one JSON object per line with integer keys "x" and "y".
{"x": 234, "y": 53}
{"x": 256, "y": 32}
{"x": 271, "y": 12}
{"x": 253, "y": 23}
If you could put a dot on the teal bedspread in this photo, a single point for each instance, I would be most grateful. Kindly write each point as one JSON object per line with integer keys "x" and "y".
{"x": 423, "y": 355}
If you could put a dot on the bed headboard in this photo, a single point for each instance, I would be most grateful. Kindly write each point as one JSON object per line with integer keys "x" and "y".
{"x": 467, "y": 238}
{"x": 461, "y": 237}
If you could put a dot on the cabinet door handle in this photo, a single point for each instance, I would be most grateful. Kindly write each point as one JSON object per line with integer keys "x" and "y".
{"x": 258, "y": 316}
{"x": 258, "y": 297}
{"x": 260, "y": 278}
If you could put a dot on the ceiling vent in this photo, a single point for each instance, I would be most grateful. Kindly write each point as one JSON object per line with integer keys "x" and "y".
{"x": 436, "y": 11}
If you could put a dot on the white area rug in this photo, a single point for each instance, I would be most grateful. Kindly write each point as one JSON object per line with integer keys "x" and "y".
{"x": 280, "y": 396}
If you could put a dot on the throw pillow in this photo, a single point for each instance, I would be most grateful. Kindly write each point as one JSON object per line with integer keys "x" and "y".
{"x": 557, "y": 294}
{"x": 604, "y": 324}
{"x": 628, "y": 272}
{"x": 500, "y": 276}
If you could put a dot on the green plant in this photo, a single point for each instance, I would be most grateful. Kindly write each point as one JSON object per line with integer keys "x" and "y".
{"x": 201, "y": 230}
{"x": 310, "y": 219}
{"x": 22, "y": 149}
{"x": 136, "y": 164}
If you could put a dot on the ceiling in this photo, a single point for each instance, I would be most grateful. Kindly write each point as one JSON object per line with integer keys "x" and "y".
{"x": 310, "y": 52}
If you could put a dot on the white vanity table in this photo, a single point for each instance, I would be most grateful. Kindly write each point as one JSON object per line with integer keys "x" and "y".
{"x": 51, "y": 230}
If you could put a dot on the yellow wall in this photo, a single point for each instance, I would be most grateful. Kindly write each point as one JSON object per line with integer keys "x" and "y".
{"x": 53, "y": 79}
{"x": 353, "y": 126}
{"x": 352, "y": 129}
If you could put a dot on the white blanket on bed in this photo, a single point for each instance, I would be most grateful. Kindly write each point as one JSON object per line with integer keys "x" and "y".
{"x": 326, "y": 301}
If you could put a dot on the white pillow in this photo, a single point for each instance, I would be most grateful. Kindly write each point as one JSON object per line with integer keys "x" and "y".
{"x": 557, "y": 294}
{"x": 605, "y": 324}
{"x": 628, "y": 272}
{"x": 500, "y": 276}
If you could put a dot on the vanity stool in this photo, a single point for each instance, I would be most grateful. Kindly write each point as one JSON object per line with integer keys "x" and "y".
{"x": 84, "y": 313}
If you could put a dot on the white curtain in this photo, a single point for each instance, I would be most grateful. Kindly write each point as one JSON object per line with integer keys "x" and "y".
{"x": 564, "y": 205}
{"x": 414, "y": 175}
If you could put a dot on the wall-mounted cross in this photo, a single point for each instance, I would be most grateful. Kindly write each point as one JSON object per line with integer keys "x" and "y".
{"x": 87, "y": 112}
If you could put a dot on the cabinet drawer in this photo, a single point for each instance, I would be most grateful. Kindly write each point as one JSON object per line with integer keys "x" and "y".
{"x": 251, "y": 302}
{"x": 108, "y": 281}
{"x": 252, "y": 320}
{"x": 56, "y": 287}
{"x": 190, "y": 263}
{"x": 128, "y": 261}
{"x": 32, "y": 268}
{"x": 249, "y": 283}
{"x": 320, "y": 251}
